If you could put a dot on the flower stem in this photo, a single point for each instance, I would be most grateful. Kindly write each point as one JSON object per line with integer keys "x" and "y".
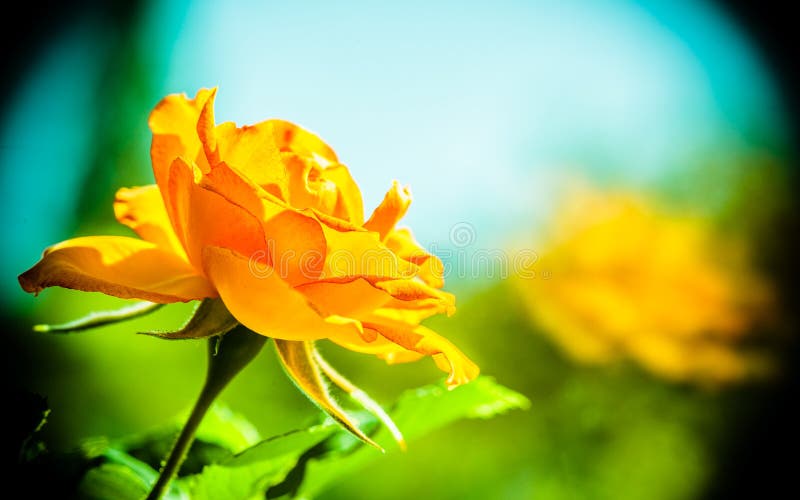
{"x": 179, "y": 450}
{"x": 227, "y": 356}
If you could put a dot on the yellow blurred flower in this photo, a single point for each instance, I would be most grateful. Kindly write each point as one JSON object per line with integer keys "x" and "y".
{"x": 265, "y": 218}
{"x": 617, "y": 277}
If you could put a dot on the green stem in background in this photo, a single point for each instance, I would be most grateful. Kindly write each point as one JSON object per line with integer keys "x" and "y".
{"x": 226, "y": 358}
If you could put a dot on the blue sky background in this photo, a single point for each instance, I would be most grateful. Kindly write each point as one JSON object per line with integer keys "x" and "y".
{"x": 483, "y": 108}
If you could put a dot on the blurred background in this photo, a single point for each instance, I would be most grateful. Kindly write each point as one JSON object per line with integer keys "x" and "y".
{"x": 611, "y": 184}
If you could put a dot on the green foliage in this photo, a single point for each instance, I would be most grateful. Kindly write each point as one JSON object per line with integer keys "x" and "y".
{"x": 222, "y": 434}
{"x": 595, "y": 432}
{"x": 226, "y": 428}
{"x": 229, "y": 461}
{"x": 112, "y": 481}
{"x": 251, "y": 472}
{"x": 122, "y": 477}
{"x": 604, "y": 432}
{"x": 32, "y": 418}
{"x": 416, "y": 413}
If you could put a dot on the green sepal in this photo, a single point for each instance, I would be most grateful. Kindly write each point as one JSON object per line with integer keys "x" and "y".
{"x": 210, "y": 318}
{"x": 362, "y": 398}
{"x": 300, "y": 362}
{"x": 100, "y": 318}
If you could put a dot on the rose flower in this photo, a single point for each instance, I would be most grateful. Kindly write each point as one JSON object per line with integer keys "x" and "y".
{"x": 630, "y": 280}
{"x": 266, "y": 220}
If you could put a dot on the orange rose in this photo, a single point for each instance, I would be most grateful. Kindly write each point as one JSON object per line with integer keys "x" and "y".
{"x": 265, "y": 218}
{"x": 630, "y": 280}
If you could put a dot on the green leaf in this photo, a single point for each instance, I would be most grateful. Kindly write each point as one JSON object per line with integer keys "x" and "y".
{"x": 210, "y": 318}
{"x": 253, "y": 471}
{"x": 283, "y": 445}
{"x": 128, "y": 467}
{"x": 112, "y": 481}
{"x": 34, "y": 412}
{"x": 221, "y": 435}
{"x": 301, "y": 462}
{"x": 241, "y": 483}
{"x": 417, "y": 413}
{"x": 122, "y": 477}
{"x": 226, "y": 428}
{"x": 100, "y": 318}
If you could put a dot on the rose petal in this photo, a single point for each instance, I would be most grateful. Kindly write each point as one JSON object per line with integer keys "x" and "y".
{"x": 390, "y": 211}
{"x": 265, "y": 303}
{"x": 119, "y": 266}
{"x": 412, "y": 290}
{"x": 431, "y": 270}
{"x": 142, "y": 209}
{"x": 379, "y": 346}
{"x": 307, "y": 186}
{"x": 174, "y": 126}
{"x": 425, "y": 341}
{"x": 349, "y": 204}
{"x": 360, "y": 254}
{"x": 295, "y": 241}
{"x": 204, "y": 218}
{"x": 291, "y": 137}
{"x": 353, "y": 299}
{"x": 252, "y": 151}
